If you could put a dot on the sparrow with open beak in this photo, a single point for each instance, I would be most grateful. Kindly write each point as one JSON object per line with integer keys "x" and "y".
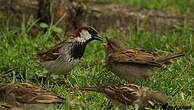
{"x": 132, "y": 64}
{"x": 124, "y": 95}
{"x": 63, "y": 57}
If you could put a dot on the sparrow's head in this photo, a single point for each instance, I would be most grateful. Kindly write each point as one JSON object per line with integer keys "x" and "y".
{"x": 85, "y": 34}
{"x": 155, "y": 97}
{"x": 114, "y": 45}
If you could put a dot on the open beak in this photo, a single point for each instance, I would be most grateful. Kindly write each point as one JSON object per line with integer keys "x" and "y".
{"x": 104, "y": 44}
{"x": 97, "y": 37}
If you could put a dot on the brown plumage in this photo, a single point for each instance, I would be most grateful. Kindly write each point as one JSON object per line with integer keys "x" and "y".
{"x": 63, "y": 57}
{"x": 133, "y": 63}
{"x": 4, "y": 107}
{"x": 124, "y": 95}
{"x": 31, "y": 95}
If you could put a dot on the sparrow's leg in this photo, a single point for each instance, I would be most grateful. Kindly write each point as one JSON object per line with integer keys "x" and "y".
{"x": 48, "y": 77}
{"x": 67, "y": 82}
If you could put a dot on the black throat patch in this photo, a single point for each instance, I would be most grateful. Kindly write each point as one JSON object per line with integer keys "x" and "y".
{"x": 78, "y": 50}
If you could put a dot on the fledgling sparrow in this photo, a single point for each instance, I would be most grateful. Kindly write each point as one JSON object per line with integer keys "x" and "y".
{"x": 132, "y": 64}
{"x": 63, "y": 57}
{"x": 28, "y": 95}
{"x": 124, "y": 95}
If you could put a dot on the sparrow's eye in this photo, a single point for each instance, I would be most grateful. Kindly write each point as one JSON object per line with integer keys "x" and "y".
{"x": 92, "y": 31}
{"x": 109, "y": 44}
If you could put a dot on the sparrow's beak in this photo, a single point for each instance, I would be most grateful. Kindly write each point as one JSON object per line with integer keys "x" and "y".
{"x": 104, "y": 44}
{"x": 97, "y": 37}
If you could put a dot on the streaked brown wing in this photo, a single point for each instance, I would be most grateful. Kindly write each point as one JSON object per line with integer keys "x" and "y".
{"x": 51, "y": 54}
{"x": 140, "y": 50}
{"x": 31, "y": 94}
{"x": 123, "y": 94}
{"x": 135, "y": 55}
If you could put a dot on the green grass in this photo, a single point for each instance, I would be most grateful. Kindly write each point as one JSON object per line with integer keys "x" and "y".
{"x": 175, "y": 80}
{"x": 17, "y": 47}
{"x": 183, "y": 6}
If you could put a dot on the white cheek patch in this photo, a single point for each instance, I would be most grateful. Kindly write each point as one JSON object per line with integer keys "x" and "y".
{"x": 84, "y": 36}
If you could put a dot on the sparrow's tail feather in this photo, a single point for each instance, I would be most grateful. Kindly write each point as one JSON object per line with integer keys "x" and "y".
{"x": 165, "y": 59}
{"x": 34, "y": 59}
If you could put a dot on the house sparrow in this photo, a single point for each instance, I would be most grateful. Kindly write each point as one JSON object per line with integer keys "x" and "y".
{"x": 124, "y": 95}
{"x": 31, "y": 96}
{"x": 64, "y": 56}
{"x": 133, "y": 64}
